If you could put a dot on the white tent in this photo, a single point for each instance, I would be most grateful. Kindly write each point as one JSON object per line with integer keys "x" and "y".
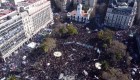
{"x": 32, "y": 45}
{"x": 98, "y": 65}
{"x": 57, "y": 54}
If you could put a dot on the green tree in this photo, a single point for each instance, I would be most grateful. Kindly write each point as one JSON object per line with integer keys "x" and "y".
{"x": 63, "y": 31}
{"x": 105, "y": 46}
{"x": 48, "y": 44}
{"x": 106, "y": 35}
{"x": 117, "y": 50}
{"x": 72, "y": 30}
{"x": 12, "y": 78}
{"x": 105, "y": 65}
{"x": 114, "y": 74}
{"x": 100, "y": 34}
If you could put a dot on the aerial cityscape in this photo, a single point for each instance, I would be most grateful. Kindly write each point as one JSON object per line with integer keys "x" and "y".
{"x": 69, "y": 39}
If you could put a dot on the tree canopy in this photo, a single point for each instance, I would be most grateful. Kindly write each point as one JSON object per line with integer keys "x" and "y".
{"x": 117, "y": 48}
{"x": 69, "y": 30}
{"x": 106, "y": 35}
{"x": 48, "y": 44}
{"x": 12, "y": 78}
{"x": 115, "y": 74}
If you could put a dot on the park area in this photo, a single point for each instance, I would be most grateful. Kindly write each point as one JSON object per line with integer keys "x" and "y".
{"x": 74, "y": 52}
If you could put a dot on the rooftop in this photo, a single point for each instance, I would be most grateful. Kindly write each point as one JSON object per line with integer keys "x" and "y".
{"x": 4, "y": 12}
{"x": 74, "y": 12}
{"x": 28, "y": 2}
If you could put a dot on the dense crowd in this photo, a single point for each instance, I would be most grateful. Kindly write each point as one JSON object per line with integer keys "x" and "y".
{"x": 77, "y": 62}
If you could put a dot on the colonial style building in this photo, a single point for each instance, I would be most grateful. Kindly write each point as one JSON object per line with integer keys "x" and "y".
{"x": 79, "y": 14}
{"x": 120, "y": 13}
{"x": 17, "y": 27}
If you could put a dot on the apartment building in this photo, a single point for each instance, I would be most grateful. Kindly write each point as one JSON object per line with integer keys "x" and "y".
{"x": 120, "y": 14}
{"x": 35, "y": 15}
{"x": 17, "y": 27}
{"x": 12, "y": 34}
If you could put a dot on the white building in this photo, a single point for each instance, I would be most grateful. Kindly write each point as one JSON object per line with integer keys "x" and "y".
{"x": 121, "y": 14}
{"x": 79, "y": 14}
{"x": 12, "y": 34}
{"x": 36, "y": 16}
{"x": 17, "y": 27}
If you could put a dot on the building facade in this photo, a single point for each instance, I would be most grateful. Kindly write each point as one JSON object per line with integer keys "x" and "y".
{"x": 19, "y": 26}
{"x": 121, "y": 14}
{"x": 79, "y": 14}
{"x": 90, "y": 3}
{"x": 36, "y": 16}
{"x": 12, "y": 34}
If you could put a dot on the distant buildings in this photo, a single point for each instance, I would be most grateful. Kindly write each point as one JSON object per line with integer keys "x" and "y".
{"x": 90, "y": 3}
{"x": 121, "y": 14}
{"x": 63, "y": 4}
{"x": 17, "y": 27}
{"x": 80, "y": 15}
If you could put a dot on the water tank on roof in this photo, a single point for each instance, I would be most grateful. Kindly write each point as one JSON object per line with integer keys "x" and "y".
{"x": 8, "y": 17}
{"x": 21, "y": 9}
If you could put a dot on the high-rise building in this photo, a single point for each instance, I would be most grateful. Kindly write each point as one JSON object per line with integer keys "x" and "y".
{"x": 12, "y": 34}
{"x": 17, "y": 27}
{"x": 36, "y": 15}
{"x": 121, "y": 14}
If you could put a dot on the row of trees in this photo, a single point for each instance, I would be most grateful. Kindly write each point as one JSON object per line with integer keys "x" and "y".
{"x": 114, "y": 54}
{"x": 115, "y": 74}
{"x": 106, "y": 35}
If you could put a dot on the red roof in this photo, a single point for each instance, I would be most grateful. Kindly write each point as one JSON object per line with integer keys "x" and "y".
{"x": 83, "y": 13}
{"x": 4, "y": 12}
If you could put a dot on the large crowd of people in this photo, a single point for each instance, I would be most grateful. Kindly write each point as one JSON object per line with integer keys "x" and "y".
{"x": 77, "y": 62}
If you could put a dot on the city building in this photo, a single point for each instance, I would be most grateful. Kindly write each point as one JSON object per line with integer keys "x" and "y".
{"x": 79, "y": 14}
{"x": 15, "y": 2}
{"x": 35, "y": 15}
{"x": 62, "y": 4}
{"x": 19, "y": 26}
{"x": 90, "y": 3}
{"x": 120, "y": 14}
{"x": 12, "y": 34}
